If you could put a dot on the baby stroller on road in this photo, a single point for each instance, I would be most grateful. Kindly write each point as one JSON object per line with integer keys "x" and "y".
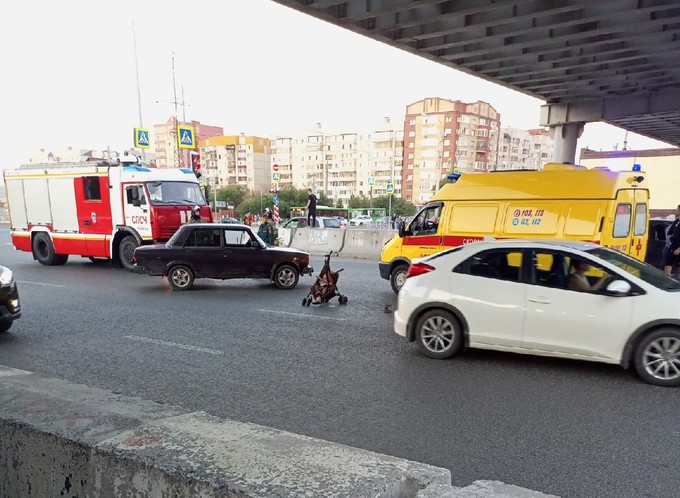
{"x": 325, "y": 288}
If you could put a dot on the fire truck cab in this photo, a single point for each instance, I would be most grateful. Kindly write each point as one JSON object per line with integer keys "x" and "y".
{"x": 100, "y": 210}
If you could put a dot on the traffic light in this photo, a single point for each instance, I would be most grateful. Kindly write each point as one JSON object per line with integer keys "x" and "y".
{"x": 196, "y": 164}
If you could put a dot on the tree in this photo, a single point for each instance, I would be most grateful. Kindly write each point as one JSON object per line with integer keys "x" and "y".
{"x": 358, "y": 202}
{"x": 339, "y": 204}
{"x": 233, "y": 194}
{"x": 400, "y": 207}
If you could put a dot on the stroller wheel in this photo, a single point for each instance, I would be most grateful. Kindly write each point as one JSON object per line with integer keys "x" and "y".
{"x": 304, "y": 301}
{"x": 343, "y": 299}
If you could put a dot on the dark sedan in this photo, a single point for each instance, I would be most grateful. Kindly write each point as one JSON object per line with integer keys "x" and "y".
{"x": 221, "y": 251}
{"x": 10, "y": 309}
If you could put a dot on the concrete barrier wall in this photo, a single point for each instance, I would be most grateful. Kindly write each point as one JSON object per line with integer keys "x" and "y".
{"x": 366, "y": 244}
{"x": 318, "y": 241}
{"x": 61, "y": 439}
{"x": 285, "y": 236}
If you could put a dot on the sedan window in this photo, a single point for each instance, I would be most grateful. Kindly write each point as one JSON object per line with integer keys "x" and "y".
{"x": 331, "y": 223}
{"x": 498, "y": 264}
{"x": 237, "y": 238}
{"x": 204, "y": 237}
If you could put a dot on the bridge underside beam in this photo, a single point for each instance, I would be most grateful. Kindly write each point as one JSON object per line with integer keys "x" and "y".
{"x": 643, "y": 114}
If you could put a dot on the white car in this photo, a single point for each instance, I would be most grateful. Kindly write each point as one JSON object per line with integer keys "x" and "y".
{"x": 362, "y": 219}
{"x": 549, "y": 298}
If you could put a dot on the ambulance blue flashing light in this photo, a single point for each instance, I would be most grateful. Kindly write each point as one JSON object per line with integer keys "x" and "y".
{"x": 186, "y": 171}
{"x": 637, "y": 167}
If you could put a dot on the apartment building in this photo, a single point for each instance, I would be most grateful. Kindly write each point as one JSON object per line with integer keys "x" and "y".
{"x": 341, "y": 165}
{"x": 524, "y": 149}
{"x": 285, "y": 152}
{"x": 236, "y": 160}
{"x": 166, "y": 150}
{"x": 443, "y": 135}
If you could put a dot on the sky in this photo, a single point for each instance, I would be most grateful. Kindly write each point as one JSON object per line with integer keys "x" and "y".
{"x": 251, "y": 66}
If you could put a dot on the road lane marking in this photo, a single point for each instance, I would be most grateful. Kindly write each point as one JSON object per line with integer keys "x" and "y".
{"x": 173, "y": 344}
{"x": 303, "y": 315}
{"x": 22, "y": 282}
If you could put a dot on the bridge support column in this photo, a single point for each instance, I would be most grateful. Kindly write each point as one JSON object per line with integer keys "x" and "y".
{"x": 564, "y": 138}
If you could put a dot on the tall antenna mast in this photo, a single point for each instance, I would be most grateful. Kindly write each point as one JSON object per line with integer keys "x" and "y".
{"x": 139, "y": 93}
{"x": 184, "y": 107}
{"x": 174, "y": 90}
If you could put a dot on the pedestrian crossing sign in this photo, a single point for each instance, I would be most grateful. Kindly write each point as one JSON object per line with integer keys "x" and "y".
{"x": 390, "y": 188}
{"x": 142, "y": 138}
{"x": 186, "y": 139}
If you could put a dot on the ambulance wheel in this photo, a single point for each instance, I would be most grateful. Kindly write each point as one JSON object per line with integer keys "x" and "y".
{"x": 181, "y": 277}
{"x": 126, "y": 250}
{"x": 398, "y": 277}
{"x": 43, "y": 250}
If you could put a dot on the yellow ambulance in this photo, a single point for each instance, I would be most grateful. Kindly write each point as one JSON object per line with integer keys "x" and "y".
{"x": 563, "y": 201}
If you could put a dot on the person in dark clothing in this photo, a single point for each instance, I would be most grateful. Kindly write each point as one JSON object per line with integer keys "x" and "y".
{"x": 311, "y": 208}
{"x": 266, "y": 230}
{"x": 196, "y": 215}
{"x": 673, "y": 254}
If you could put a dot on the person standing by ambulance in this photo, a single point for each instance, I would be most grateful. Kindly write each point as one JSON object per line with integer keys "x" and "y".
{"x": 673, "y": 244}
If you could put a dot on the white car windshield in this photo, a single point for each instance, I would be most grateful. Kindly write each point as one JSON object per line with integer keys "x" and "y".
{"x": 175, "y": 193}
{"x": 643, "y": 271}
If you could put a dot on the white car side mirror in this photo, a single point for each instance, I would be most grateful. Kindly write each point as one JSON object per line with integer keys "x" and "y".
{"x": 618, "y": 288}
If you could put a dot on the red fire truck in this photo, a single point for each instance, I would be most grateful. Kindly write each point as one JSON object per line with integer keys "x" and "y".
{"x": 98, "y": 210}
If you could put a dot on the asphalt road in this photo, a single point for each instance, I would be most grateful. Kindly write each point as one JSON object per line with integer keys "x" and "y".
{"x": 246, "y": 351}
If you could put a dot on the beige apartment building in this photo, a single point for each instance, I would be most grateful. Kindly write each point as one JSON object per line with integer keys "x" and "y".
{"x": 341, "y": 165}
{"x": 236, "y": 160}
{"x": 443, "y": 135}
{"x": 166, "y": 150}
{"x": 524, "y": 149}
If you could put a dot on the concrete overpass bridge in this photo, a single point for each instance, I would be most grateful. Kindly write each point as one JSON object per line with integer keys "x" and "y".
{"x": 616, "y": 61}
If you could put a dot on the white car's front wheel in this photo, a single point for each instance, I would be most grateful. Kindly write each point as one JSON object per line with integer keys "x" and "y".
{"x": 657, "y": 358}
{"x": 438, "y": 334}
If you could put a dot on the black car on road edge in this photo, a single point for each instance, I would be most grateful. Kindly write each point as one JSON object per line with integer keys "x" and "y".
{"x": 10, "y": 307}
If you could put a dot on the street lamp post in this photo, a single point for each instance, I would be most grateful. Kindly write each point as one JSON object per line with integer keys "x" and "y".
{"x": 394, "y": 159}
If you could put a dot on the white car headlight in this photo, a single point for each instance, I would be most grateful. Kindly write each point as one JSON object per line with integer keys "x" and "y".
{"x": 5, "y": 276}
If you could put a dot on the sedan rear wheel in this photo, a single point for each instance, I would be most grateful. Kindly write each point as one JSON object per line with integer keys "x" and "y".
{"x": 181, "y": 277}
{"x": 286, "y": 277}
{"x": 657, "y": 358}
{"x": 439, "y": 334}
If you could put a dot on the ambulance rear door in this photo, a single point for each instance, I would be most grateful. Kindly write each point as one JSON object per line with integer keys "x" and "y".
{"x": 631, "y": 217}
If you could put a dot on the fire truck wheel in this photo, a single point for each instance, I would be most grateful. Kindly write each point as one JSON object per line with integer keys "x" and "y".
{"x": 60, "y": 259}
{"x": 43, "y": 250}
{"x": 181, "y": 277}
{"x": 126, "y": 250}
